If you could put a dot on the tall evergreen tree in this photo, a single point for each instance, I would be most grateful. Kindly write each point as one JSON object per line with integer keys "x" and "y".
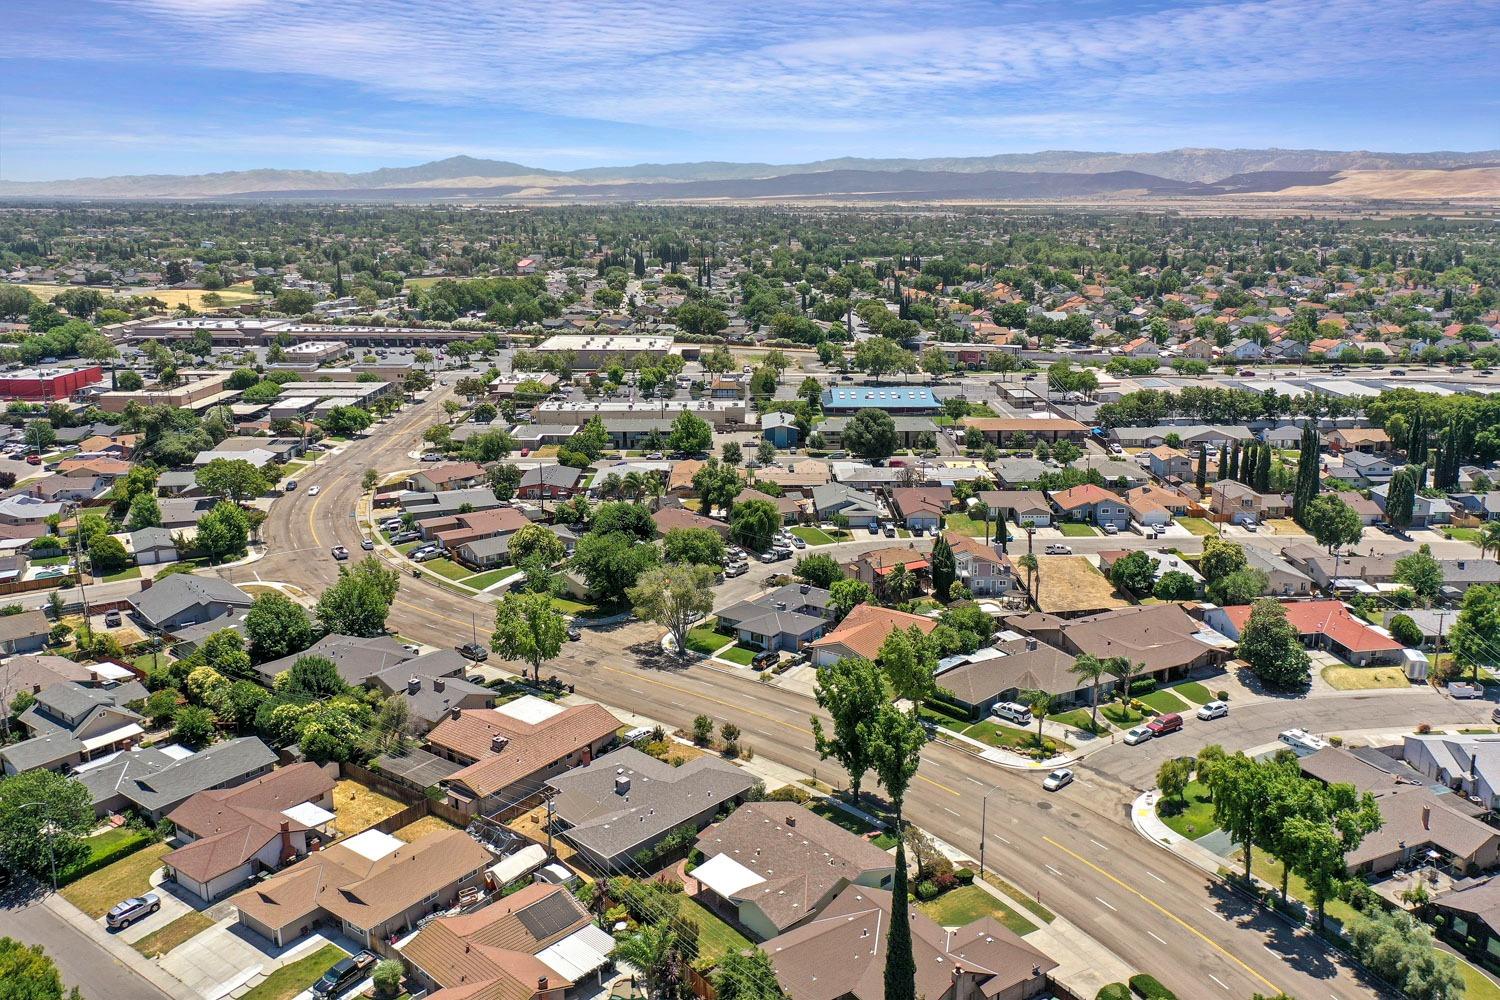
{"x": 1416, "y": 439}
{"x": 1202, "y": 480}
{"x": 1401, "y": 497}
{"x": 1263, "y": 469}
{"x": 900, "y": 965}
{"x": 1305, "y": 488}
{"x": 944, "y": 572}
{"x": 1232, "y": 467}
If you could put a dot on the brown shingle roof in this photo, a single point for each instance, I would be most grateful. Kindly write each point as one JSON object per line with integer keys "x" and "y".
{"x": 528, "y": 747}
{"x": 864, "y": 631}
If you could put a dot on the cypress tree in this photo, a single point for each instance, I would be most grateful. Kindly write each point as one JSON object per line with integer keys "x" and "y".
{"x": 944, "y": 571}
{"x": 1305, "y": 487}
{"x": 900, "y": 966}
{"x": 1231, "y": 468}
{"x": 1202, "y": 468}
{"x": 1416, "y": 439}
{"x": 1400, "y": 498}
{"x": 1263, "y": 469}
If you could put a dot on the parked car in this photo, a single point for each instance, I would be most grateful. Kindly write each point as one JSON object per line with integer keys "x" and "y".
{"x": 1012, "y": 711}
{"x": 890, "y": 531}
{"x": 1111, "y": 529}
{"x": 368, "y": 544}
{"x": 1058, "y": 779}
{"x": 737, "y": 569}
{"x": 431, "y": 456}
{"x": 1302, "y": 741}
{"x": 1168, "y": 722}
{"x": 340, "y": 553}
{"x": 574, "y": 632}
{"x": 874, "y": 527}
{"x": 768, "y": 557}
{"x": 1495, "y": 715}
{"x": 33, "y": 460}
{"x": 1058, "y": 549}
{"x": 765, "y": 659}
{"x": 798, "y": 543}
{"x": 391, "y": 524}
{"x": 122, "y": 915}
{"x": 112, "y": 619}
{"x": 1138, "y": 735}
{"x": 401, "y": 538}
{"x": 341, "y": 978}
{"x": 1213, "y": 710}
{"x": 473, "y": 651}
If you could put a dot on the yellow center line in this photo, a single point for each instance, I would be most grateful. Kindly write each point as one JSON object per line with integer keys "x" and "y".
{"x": 1166, "y": 912}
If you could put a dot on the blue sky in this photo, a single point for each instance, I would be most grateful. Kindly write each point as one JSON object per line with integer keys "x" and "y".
{"x": 96, "y": 87}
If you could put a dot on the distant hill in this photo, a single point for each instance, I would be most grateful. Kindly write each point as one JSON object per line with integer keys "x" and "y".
{"x": 1213, "y": 171}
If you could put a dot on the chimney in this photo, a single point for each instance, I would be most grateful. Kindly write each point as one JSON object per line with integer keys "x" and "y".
{"x": 36, "y": 689}
{"x": 1427, "y": 817}
{"x": 498, "y": 743}
{"x": 146, "y": 583}
{"x": 438, "y": 683}
{"x": 622, "y": 784}
{"x": 1031, "y": 644}
{"x": 288, "y": 852}
{"x": 791, "y": 820}
{"x": 454, "y": 712}
{"x": 541, "y": 984}
{"x": 413, "y": 685}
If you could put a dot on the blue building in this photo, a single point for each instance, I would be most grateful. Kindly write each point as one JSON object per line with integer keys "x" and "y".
{"x": 780, "y": 429}
{"x": 908, "y": 399}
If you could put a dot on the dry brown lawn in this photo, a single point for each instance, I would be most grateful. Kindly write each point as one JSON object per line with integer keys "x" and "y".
{"x": 358, "y": 808}
{"x": 533, "y": 823}
{"x": 422, "y": 827}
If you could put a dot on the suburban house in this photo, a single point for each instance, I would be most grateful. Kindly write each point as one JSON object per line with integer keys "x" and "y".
{"x": 921, "y": 507}
{"x": 625, "y": 802}
{"x": 156, "y": 780}
{"x": 1468, "y": 764}
{"x": 789, "y": 507}
{"x": 1326, "y": 625}
{"x": 1162, "y": 639}
{"x": 985, "y": 572}
{"x": 230, "y": 835}
{"x": 1174, "y": 502}
{"x": 153, "y": 546}
{"x": 1358, "y": 439}
{"x": 1472, "y": 918}
{"x": 675, "y": 518}
{"x": 1163, "y": 563}
{"x": 24, "y": 633}
{"x": 367, "y": 887}
{"x": 1027, "y": 508}
{"x": 357, "y": 658}
{"x": 452, "y": 532}
{"x": 1282, "y": 578}
{"x": 859, "y": 507}
{"x": 1364, "y": 467}
{"x": 506, "y": 752}
{"x": 787, "y": 618}
{"x": 71, "y": 724}
{"x": 1417, "y": 821}
{"x": 863, "y": 631}
{"x": 550, "y": 482}
{"x": 441, "y": 478}
{"x": 976, "y": 682}
{"x": 1234, "y": 500}
{"x": 1165, "y": 462}
{"x": 873, "y": 567}
{"x": 185, "y": 599}
{"x": 840, "y": 955}
{"x": 1025, "y": 431}
{"x": 774, "y": 865}
{"x": 1093, "y": 504}
{"x": 431, "y": 691}
{"x": 780, "y": 429}
{"x": 536, "y": 944}
{"x": 1425, "y": 511}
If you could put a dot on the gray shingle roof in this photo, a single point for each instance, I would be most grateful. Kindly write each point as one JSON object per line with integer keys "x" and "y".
{"x": 181, "y": 591}
{"x": 154, "y": 780}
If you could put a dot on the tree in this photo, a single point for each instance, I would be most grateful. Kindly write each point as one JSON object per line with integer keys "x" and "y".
{"x": 1220, "y": 558}
{"x": 1272, "y": 648}
{"x": 1421, "y": 572}
{"x": 1124, "y": 671}
{"x": 388, "y": 975}
{"x": 880, "y": 356}
{"x": 44, "y": 817}
{"x": 819, "y": 570}
{"x": 900, "y": 583}
{"x": 360, "y": 600}
{"x": 871, "y": 434}
{"x": 897, "y": 739}
{"x": 277, "y": 626}
{"x": 1173, "y": 777}
{"x": 651, "y": 949}
{"x": 909, "y": 661}
{"x": 1091, "y": 670}
{"x": 852, "y": 692}
{"x": 1134, "y": 573}
{"x": 694, "y": 547}
{"x": 1029, "y": 563}
{"x": 530, "y": 629}
{"x": 194, "y": 727}
{"x": 846, "y": 595}
{"x": 674, "y": 597}
{"x": 732, "y": 452}
{"x": 144, "y": 512}
{"x": 1201, "y": 477}
{"x": 1316, "y": 841}
{"x": 1332, "y": 522}
{"x": 1175, "y": 585}
{"x": 1399, "y": 949}
{"x": 1400, "y": 498}
{"x": 1240, "y": 787}
{"x": 223, "y": 532}
{"x": 1404, "y": 629}
{"x": 754, "y": 523}
{"x": 1309, "y": 469}
{"x": 535, "y": 541}
{"x": 746, "y": 975}
{"x": 312, "y": 677}
{"x": 1472, "y": 639}
{"x": 717, "y": 485}
{"x": 26, "y": 973}
{"x": 1240, "y": 587}
{"x": 690, "y": 434}
{"x": 107, "y": 555}
{"x": 944, "y": 569}
{"x": 611, "y": 562}
{"x": 1041, "y": 704}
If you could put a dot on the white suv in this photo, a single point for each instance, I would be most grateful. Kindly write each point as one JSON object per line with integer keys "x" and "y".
{"x": 1213, "y": 710}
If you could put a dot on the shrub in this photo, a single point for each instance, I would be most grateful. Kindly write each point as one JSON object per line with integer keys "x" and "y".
{"x": 1222, "y": 695}
{"x": 104, "y": 859}
{"x": 1146, "y": 986}
{"x": 1143, "y": 686}
{"x": 964, "y": 876}
{"x": 1424, "y": 728}
{"x": 388, "y": 973}
{"x": 789, "y": 793}
{"x": 928, "y": 890}
{"x": 1113, "y": 991}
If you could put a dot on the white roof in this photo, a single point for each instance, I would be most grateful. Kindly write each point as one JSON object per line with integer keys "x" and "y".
{"x": 113, "y": 736}
{"x": 308, "y": 814}
{"x": 176, "y": 751}
{"x": 373, "y": 844}
{"x": 110, "y": 671}
{"x": 513, "y": 866}
{"x": 578, "y": 954}
{"x": 726, "y": 876}
{"x": 529, "y": 709}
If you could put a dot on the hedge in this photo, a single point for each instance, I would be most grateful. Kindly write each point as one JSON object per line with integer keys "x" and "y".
{"x": 1113, "y": 991}
{"x": 1146, "y": 986}
{"x": 1145, "y": 685}
{"x": 96, "y": 861}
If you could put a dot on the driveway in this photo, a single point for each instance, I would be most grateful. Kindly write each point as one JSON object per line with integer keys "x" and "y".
{"x": 172, "y": 907}
{"x": 226, "y": 957}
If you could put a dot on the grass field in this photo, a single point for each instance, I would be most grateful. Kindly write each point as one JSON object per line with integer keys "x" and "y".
{"x": 1031, "y": 906}
{"x": 1197, "y": 526}
{"x": 1193, "y": 692}
{"x": 715, "y": 938}
{"x": 164, "y": 939}
{"x": 997, "y": 735}
{"x": 1268, "y": 869}
{"x": 1477, "y": 986}
{"x": 1453, "y": 534}
{"x": 1164, "y": 701}
{"x": 359, "y": 808}
{"x": 812, "y": 535}
{"x": 1072, "y": 529}
{"x": 128, "y": 573}
{"x": 1120, "y": 715}
{"x": 1078, "y": 718}
{"x": 130, "y": 876}
{"x": 447, "y": 568}
{"x": 739, "y": 654}
{"x": 966, "y": 904}
{"x": 972, "y": 526}
{"x": 489, "y": 578}
{"x": 295, "y": 977}
{"x": 173, "y": 297}
{"x": 707, "y": 640}
{"x": 1363, "y": 678}
{"x": 571, "y": 607}
{"x": 842, "y": 817}
{"x": 1193, "y": 816}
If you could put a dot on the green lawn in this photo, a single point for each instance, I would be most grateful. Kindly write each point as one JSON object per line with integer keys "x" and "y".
{"x": 1453, "y": 534}
{"x": 715, "y": 937}
{"x": 1268, "y": 869}
{"x": 846, "y": 819}
{"x": 128, "y": 573}
{"x": 1072, "y": 529}
{"x": 407, "y": 548}
{"x": 1197, "y": 526}
{"x": 1164, "y": 701}
{"x": 1193, "y": 817}
{"x": 1344, "y": 678}
{"x": 1477, "y": 986}
{"x": 481, "y": 580}
{"x": 707, "y": 640}
{"x": 972, "y": 526}
{"x": 571, "y": 607}
{"x": 998, "y": 735}
{"x": 294, "y": 466}
{"x": 52, "y": 561}
{"x": 966, "y": 904}
{"x": 446, "y": 568}
{"x": 164, "y": 939}
{"x": 290, "y": 980}
{"x": 1036, "y": 909}
{"x": 739, "y": 654}
{"x": 95, "y": 893}
{"x": 1120, "y": 715}
{"x": 1193, "y": 692}
{"x": 812, "y": 535}
{"x": 1078, "y": 718}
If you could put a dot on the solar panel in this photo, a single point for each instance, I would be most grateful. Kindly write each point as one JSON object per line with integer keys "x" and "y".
{"x": 548, "y": 916}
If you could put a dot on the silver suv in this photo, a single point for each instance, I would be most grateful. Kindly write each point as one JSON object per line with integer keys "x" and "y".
{"x": 126, "y": 913}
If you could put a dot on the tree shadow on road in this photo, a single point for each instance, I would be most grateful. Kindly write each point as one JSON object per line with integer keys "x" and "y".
{"x": 1287, "y": 938}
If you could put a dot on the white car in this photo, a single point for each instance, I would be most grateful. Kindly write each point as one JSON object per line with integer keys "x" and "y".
{"x": 1213, "y": 710}
{"x": 1058, "y": 779}
{"x": 1058, "y": 549}
{"x": 314, "y": 491}
{"x": 1303, "y": 742}
{"x": 1139, "y": 734}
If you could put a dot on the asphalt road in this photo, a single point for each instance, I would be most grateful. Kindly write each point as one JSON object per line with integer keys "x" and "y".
{"x": 1074, "y": 850}
{"x": 82, "y": 963}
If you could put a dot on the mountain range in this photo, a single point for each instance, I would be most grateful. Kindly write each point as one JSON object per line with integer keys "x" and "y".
{"x": 1053, "y": 174}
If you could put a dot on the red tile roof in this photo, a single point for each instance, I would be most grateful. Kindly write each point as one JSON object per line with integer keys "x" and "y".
{"x": 1330, "y": 618}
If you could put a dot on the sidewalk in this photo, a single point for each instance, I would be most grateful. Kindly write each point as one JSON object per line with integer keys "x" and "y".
{"x": 1143, "y": 817}
{"x": 118, "y": 949}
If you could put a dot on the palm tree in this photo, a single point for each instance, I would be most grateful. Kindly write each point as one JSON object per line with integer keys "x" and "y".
{"x": 653, "y": 487}
{"x": 1489, "y": 538}
{"x": 650, "y": 950}
{"x": 634, "y": 485}
{"x": 612, "y": 486}
{"x": 1124, "y": 672}
{"x": 1029, "y": 564}
{"x": 899, "y": 583}
{"x": 1040, "y": 702}
{"x": 1091, "y": 670}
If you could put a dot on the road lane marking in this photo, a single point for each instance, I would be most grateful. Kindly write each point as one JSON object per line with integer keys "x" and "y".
{"x": 1106, "y": 904}
{"x": 1053, "y": 870}
{"x": 1215, "y": 912}
{"x": 1166, "y": 912}
{"x": 1154, "y": 875}
{"x": 1097, "y": 844}
{"x": 1002, "y": 839}
{"x": 1217, "y": 980}
{"x": 951, "y": 812}
{"x": 1159, "y": 939}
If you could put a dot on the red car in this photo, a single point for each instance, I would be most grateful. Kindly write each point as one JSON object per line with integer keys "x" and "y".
{"x": 33, "y": 460}
{"x": 1164, "y": 724}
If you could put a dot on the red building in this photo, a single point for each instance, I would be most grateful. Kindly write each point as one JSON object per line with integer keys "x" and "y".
{"x": 35, "y": 384}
